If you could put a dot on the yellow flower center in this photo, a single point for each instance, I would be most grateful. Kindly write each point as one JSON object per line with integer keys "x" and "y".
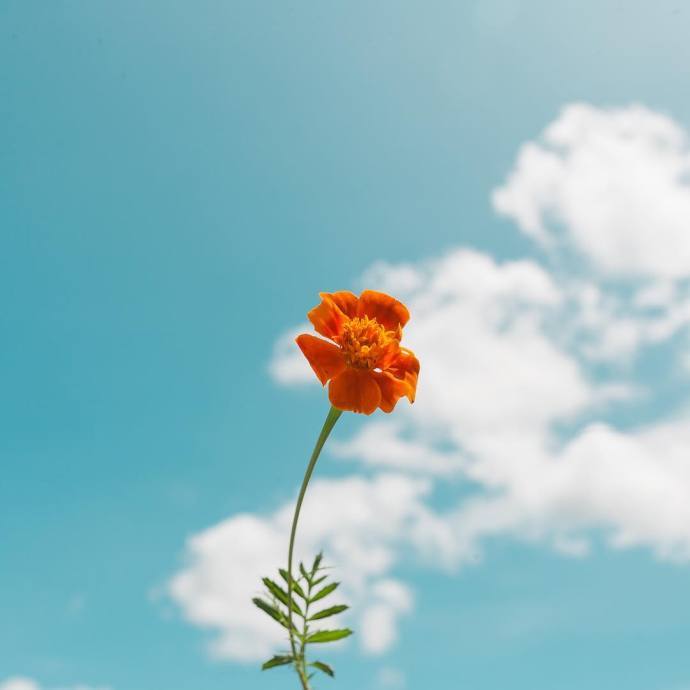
{"x": 365, "y": 341}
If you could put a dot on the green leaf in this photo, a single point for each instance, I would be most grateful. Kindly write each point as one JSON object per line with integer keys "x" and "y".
{"x": 332, "y": 611}
{"x": 274, "y": 613}
{"x": 328, "y": 635}
{"x": 270, "y": 610}
{"x": 304, "y": 572}
{"x": 317, "y": 563}
{"x": 280, "y": 594}
{"x": 276, "y": 661}
{"x": 295, "y": 585}
{"x": 323, "y": 667}
{"x": 318, "y": 580}
{"x": 324, "y": 592}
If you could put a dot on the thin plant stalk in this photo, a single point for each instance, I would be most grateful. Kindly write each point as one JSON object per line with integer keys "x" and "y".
{"x": 300, "y": 664}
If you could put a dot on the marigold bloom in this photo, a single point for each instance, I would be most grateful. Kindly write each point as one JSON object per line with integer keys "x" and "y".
{"x": 363, "y": 360}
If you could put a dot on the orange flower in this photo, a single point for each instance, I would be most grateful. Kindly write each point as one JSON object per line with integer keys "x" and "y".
{"x": 365, "y": 364}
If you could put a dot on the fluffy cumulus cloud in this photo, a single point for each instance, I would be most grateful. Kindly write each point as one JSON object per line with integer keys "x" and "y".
{"x": 614, "y": 184}
{"x": 525, "y": 364}
{"x": 364, "y": 526}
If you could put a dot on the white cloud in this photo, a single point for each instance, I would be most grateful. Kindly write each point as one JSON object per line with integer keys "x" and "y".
{"x": 379, "y": 620}
{"x": 613, "y": 184}
{"x": 508, "y": 401}
{"x": 383, "y": 445}
{"x": 287, "y": 365}
{"x": 481, "y": 324}
{"x": 24, "y": 683}
{"x": 608, "y": 325}
{"x": 473, "y": 319}
{"x": 360, "y": 523}
{"x": 502, "y": 372}
{"x": 19, "y": 683}
{"x": 518, "y": 378}
{"x": 633, "y": 487}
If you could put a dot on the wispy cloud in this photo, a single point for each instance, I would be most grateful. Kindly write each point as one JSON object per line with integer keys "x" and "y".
{"x": 25, "y": 683}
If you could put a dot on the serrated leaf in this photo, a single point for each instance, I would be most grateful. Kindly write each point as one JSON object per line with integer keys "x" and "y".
{"x": 281, "y": 595}
{"x": 295, "y": 585}
{"x": 276, "y": 661}
{"x": 332, "y": 611}
{"x": 323, "y": 667}
{"x": 328, "y": 635}
{"x": 324, "y": 592}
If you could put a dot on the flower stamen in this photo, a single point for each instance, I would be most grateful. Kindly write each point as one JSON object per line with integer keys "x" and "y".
{"x": 365, "y": 341}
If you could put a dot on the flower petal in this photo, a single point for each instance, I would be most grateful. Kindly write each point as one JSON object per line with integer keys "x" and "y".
{"x": 389, "y": 355}
{"x": 387, "y": 310}
{"x": 405, "y": 368}
{"x": 355, "y": 390}
{"x": 392, "y": 390}
{"x": 326, "y": 359}
{"x": 328, "y": 318}
{"x": 345, "y": 301}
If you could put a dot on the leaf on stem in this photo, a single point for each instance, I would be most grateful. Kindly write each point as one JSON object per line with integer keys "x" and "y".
{"x": 274, "y": 613}
{"x": 304, "y": 572}
{"x": 276, "y": 661}
{"x": 328, "y": 635}
{"x": 323, "y": 667}
{"x": 295, "y": 585}
{"x": 324, "y": 592}
{"x": 270, "y": 610}
{"x": 332, "y": 611}
{"x": 281, "y": 595}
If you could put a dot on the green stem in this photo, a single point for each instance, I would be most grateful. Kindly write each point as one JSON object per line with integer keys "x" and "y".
{"x": 305, "y": 632}
{"x": 331, "y": 419}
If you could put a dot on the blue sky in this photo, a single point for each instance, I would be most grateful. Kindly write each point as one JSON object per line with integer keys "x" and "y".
{"x": 179, "y": 180}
